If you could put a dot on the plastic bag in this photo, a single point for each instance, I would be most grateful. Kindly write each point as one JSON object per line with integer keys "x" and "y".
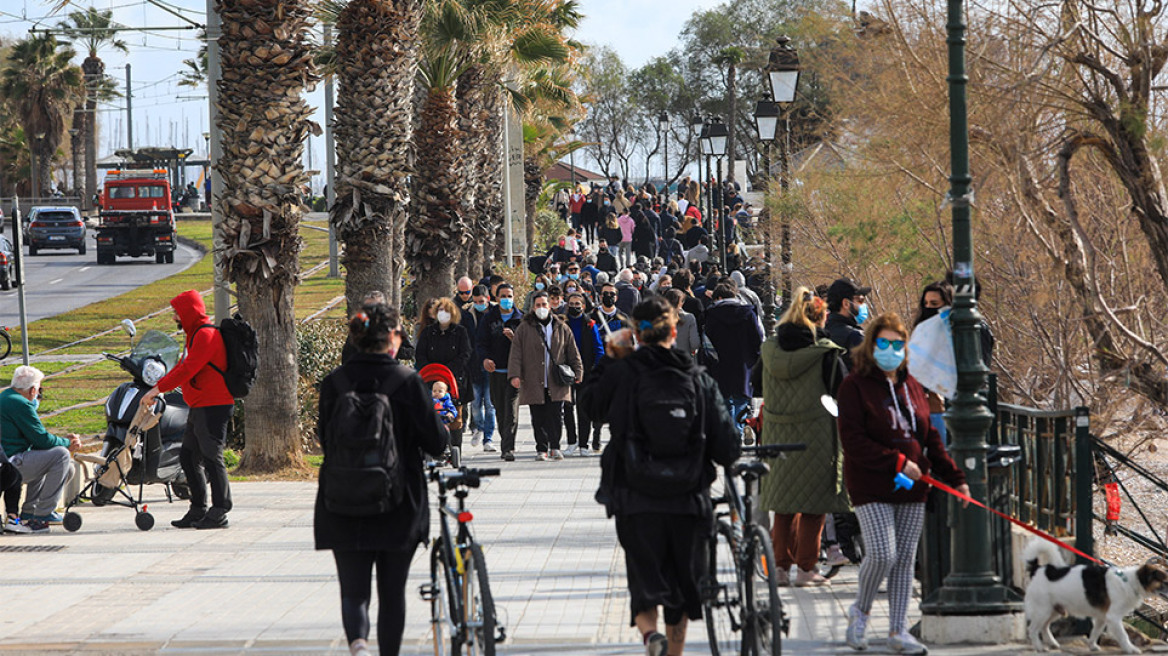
{"x": 931, "y": 359}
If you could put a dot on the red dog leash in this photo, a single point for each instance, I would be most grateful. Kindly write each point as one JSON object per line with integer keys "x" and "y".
{"x": 1045, "y": 536}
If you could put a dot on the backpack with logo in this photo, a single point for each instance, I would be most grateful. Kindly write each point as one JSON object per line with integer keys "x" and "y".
{"x": 243, "y": 355}
{"x": 665, "y": 450}
{"x": 361, "y": 474}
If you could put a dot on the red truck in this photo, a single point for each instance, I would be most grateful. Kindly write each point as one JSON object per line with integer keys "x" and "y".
{"x": 137, "y": 216}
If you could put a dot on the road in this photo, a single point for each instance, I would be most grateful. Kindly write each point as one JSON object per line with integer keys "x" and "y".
{"x": 60, "y": 281}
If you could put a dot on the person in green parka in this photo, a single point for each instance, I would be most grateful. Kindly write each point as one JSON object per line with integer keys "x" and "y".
{"x": 797, "y": 367}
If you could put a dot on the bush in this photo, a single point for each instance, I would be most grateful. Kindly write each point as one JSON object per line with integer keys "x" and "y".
{"x": 319, "y": 352}
{"x": 230, "y": 458}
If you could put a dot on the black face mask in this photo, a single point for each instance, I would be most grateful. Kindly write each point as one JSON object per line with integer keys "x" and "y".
{"x": 603, "y": 251}
{"x": 929, "y": 313}
{"x": 575, "y": 311}
{"x": 608, "y": 300}
{"x": 663, "y": 288}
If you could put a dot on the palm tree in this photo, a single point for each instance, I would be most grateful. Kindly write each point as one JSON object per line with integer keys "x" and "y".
{"x": 40, "y": 83}
{"x": 376, "y": 57}
{"x": 94, "y": 29}
{"x": 267, "y": 63}
{"x": 731, "y": 58}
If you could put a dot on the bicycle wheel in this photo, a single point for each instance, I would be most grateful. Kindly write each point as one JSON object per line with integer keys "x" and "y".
{"x": 443, "y": 604}
{"x": 722, "y": 594}
{"x": 478, "y": 604}
{"x": 5, "y": 344}
{"x": 766, "y": 622}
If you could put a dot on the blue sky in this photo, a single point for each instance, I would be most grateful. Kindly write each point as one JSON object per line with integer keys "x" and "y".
{"x": 167, "y": 114}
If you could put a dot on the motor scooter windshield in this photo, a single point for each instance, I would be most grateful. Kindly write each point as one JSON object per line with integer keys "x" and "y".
{"x": 157, "y": 343}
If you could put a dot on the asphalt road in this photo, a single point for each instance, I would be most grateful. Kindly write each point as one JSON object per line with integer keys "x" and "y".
{"x": 58, "y": 281}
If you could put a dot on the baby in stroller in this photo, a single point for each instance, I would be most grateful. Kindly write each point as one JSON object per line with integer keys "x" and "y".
{"x": 439, "y": 377}
{"x": 443, "y": 404}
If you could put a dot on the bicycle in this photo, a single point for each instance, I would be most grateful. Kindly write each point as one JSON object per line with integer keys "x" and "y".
{"x": 744, "y": 614}
{"x": 5, "y": 342}
{"x": 462, "y": 610}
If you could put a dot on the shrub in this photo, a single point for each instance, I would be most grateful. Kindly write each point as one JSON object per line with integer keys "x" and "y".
{"x": 319, "y": 352}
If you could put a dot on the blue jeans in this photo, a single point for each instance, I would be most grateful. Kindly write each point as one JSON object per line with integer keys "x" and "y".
{"x": 481, "y": 409}
{"x": 735, "y": 405}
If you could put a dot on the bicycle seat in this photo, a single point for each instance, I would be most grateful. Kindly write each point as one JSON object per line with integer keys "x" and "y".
{"x": 752, "y": 468}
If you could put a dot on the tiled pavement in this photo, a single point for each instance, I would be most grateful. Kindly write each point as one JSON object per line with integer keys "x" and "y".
{"x": 259, "y": 588}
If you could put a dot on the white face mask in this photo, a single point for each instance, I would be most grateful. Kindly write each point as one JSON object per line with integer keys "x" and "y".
{"x": 542, "y": 313}
{"x": 443, "y": 317}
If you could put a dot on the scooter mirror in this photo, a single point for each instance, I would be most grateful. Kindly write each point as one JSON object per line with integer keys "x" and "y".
{"x": 128, "y": 326}
{"x": 830, "y": 405}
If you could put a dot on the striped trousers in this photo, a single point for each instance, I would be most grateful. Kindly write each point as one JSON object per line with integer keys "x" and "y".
{"x": 891, "y": 533}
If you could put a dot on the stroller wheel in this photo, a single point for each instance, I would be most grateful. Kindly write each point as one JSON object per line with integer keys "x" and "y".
{"x": 144, "y": 521}
{"x": 71, "y": 521}
{"x": 455, "y": 457}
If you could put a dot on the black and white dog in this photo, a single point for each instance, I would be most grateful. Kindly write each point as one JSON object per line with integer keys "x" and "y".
{"x": 1104, "y": 594}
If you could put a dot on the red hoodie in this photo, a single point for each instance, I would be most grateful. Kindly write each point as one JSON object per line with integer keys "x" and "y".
{"x": 202, "y": 385}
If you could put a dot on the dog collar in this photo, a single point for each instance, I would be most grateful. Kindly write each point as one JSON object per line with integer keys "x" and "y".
{"x": 1120, "y": 574}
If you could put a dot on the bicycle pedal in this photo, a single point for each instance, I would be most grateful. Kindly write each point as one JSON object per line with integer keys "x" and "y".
{"x": 786, "y": 624}
{"x": 428, "y": 591}
{"x": 502, "y": 634}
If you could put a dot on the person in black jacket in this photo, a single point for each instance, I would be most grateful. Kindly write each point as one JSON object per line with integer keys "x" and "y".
{"x": 445, "y": 341}
{"x": 735, "y": 332}
{"x": 387, "y": 539}
{"x": 481, "y": 409}
{"x": 847, "y": 305}
{"x": 664, "y": 537}
{"x": 591, "y": 347}
{"x": 605, "y": 260}
{"x": 644, "y": 237}
{"x": 493, "y": 346}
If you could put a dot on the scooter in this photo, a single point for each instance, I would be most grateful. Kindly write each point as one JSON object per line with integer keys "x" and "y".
{"x": 158, "y": 461}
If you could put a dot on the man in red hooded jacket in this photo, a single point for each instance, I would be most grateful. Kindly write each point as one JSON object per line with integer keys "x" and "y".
{"x": 205, "y": 391}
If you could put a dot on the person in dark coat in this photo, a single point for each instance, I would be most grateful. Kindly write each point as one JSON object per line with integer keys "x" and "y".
{"x": 482, "y": 411}
{"x": 627, "y": 296}
{"x": 591, "y": 348}
{"x": 664, "y": 537}
{"x": 671, "y": 249}
{"x": 736, "y": 334}
{"x": 847, "y": 306}
{"x": 644, "y": 237}
{"x": 446, "y": 342}
{"x": 590, "y": 215}
{"x": 493, "y": 349}
{"x": 605, "y": 260}
{"x": 387, "y": 539}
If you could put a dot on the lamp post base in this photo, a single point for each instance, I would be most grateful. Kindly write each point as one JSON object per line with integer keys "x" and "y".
{"x": 973, "y": 629}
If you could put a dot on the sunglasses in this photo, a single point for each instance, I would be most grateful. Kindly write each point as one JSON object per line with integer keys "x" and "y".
{"x": 883, "y": 343}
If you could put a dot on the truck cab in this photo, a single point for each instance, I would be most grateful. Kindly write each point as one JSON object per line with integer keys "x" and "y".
{"x": 137, "y": 216}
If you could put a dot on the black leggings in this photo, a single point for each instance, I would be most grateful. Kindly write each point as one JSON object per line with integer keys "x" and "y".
{"x": 354, "y": 570}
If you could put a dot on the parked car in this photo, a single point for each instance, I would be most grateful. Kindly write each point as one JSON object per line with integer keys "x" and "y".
{"x": 55, "y": 227}
{"x": 7, "y": 264}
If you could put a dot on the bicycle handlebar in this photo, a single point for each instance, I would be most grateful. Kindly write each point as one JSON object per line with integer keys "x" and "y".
{"x": 464, "y": 477}
{"x": 773, "y": 450}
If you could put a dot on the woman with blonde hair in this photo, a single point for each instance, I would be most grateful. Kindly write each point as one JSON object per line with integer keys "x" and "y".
{"x": 797, "y": 367}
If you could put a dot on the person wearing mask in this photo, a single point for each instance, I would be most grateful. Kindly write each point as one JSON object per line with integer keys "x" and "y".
{"x": 734, "y": 330}
{"x": 847, "y": 306}
{"x": 542, "y": 342}
{"x": 591, "y": 215}
{"x": 591, "y": 347}
{"x": 688, "y": 339}
{"x": 662, "y": 284}
{"x": 573, "y": 274}
{"x": 797, "y": 367}
{"x": 627, "y": 295}
{"x": 446, "y": 342}
{"x": 663, "y": 535}
{"x": 211, "y": 407}
{"x": 608, "y": 316}
{"x": 482, "y": 412}
{"x": 493, "y": 349}
{"x": 540, "y": 285}
{"x": 644, "y": 236}
{"x": 605, "y": 259}
{"x": 389, "y": 539}
{"x": 934, "y": 296}
{"x": 41, "y": 459}
{"x": 576, "y": 208}
{"x": 683, "y": 280}
{"x": 627, "y": 225}
{"x": 885, "y": 430}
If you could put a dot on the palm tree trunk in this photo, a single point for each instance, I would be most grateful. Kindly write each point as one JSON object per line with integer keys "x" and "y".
{"x": 94, "y": 68}
{"x": 731, "y": 120}
{"x": 532, "y": 184}
{"x": 75, "y": 140}
{"x": 377, "y": 52}
{"x": 434, "y": 235}
{"x": 267, "y": 62}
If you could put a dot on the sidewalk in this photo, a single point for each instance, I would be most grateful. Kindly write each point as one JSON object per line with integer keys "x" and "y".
{"x": 556, "y": 571}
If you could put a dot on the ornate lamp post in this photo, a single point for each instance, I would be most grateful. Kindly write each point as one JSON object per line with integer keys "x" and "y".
{"x": 695, "y": 124}
{"x": 705, "y": 146}
{"x": 663, "y": 129}
{"x": 766, "y": 120}
{"x": 972, "y": 605}
{"x": 572, "y": 158}
{"x": 783, "y": 74}
{"x": 719, "y": 134}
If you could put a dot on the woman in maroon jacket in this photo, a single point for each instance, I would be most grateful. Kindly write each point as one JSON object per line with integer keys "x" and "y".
{"x": 884, "y": 428}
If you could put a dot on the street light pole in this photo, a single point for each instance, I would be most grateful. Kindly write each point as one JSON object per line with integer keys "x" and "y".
{"x": 719, "y": 135}
{"x": 663, "y": 126}
{"x": 783, "y": 70}
{"x": 972, "y": 605}
{"x": 766, "y": 120}
{"x": 785, "y": 225}
{"x": 572, "y": 159}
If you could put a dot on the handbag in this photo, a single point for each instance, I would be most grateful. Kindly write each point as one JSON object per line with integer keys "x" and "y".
{"x": 562, "y": 374}
{"x": 707, "y": 355}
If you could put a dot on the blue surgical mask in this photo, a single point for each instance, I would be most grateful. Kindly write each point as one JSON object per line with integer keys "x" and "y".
{"x": 539, "y": 286}
{"x": 506, "y": 304}
{"x": 888, "y": 359}
{"x": 574, "y": 276}
{"x": 481, "y": 307}
{"x": 862, "y": 314}
{"x": 36, "y": 403}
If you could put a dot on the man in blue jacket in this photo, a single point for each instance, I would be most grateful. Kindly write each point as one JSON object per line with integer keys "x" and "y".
{"x": 493, "y": 345}
{"x": 43, "y": 459}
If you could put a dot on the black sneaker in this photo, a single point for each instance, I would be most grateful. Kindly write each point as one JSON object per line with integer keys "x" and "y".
{"x": 214, "y": 518}
{"x": 509, "y": 456}
{"x": 190, "y": 519}
{"x": 656, "y": 645}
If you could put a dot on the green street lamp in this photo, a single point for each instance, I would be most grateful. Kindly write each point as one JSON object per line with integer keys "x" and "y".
{"x": 719, "y": 135}
{"x": 663, "y": 130}
{"x": 696, "y": 124}
{"x": 972, "y": 598}
{"x": 783, "y": 69}
{"x": 766, "y": 120}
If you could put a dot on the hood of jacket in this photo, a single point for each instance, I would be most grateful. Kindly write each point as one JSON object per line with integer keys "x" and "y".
{"x": 798, "y": 351}
{"x": 659, "y": 356}
{"x": 731, "y": 309}
{"x": 191, "y": 311}
{"x": 738, "y": 278}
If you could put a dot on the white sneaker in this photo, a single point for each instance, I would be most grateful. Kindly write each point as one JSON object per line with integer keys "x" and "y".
{"x": 836, "y": 557}
{"x": 359, "y": 648}
{"x": 489, "y": 447}
{"x": 857, "y": 622}
{"x": 557, "y": 454}
{"x": 542, "y": 457}
{"x": 905, "y": 643}
{"x": 572, "y": 450}
{"x": 475, "y": 438}
{"x": 14, "y": 525}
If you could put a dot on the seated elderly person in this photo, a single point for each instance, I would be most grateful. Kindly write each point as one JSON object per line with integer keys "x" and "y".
{"x": 43, "y": 460}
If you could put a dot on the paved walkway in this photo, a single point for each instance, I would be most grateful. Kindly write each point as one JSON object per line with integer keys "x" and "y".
{"x": 259, "y": 588}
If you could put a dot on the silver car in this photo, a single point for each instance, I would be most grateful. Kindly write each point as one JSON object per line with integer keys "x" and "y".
{"x": 55, "y": 227}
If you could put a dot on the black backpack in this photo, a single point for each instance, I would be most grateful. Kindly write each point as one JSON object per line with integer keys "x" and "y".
{"x": 665, "y": 444}
{"x": 243, "y": 355}
{"x": 361, "y": 474}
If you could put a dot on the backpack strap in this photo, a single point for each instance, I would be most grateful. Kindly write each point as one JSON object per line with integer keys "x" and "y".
{"x": 191, "y": 340}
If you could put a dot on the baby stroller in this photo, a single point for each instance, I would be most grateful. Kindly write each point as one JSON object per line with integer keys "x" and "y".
{"x": 433, "y": 372}
{"x": 119, "y": 469}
